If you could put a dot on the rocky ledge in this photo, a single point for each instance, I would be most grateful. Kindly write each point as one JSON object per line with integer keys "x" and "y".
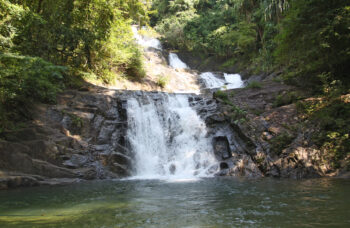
{"x": 80, "y": 138}
{"x": 269, "y": 138}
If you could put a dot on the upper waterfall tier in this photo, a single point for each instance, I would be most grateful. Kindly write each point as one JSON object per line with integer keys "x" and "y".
{"x": 175, "y": 62}
{"x": 227, "y": 81}
{"x": 146, "y": 42}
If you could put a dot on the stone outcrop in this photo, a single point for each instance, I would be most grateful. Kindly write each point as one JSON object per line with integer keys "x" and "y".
{"x": 82, "y": 137}
{"x": 269, "y": 140}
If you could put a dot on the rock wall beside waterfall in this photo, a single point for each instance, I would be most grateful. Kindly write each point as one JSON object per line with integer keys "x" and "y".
{"x": 272, "y": 138}
{"x": 82, "y": 137}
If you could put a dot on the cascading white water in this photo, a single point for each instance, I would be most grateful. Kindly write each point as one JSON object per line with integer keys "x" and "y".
{"x": 211, "y": 81}
{"x": 175, "y": 62}
{"x": 146, "y": 41}
{"x": 233, "y": 81}
{"x": 230, "y": 81}
{"x": 168, "y": 138}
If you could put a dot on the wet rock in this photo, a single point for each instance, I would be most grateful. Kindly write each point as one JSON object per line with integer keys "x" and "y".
{"x": 172, "y": 169}
{"x": 76, "y": 161}
{"x": 119, "y": 169}
{"x": 106, "y": 132}
{"x": 59, "y": 181}
{"x": 18, "y": 181}
{"x": 221, "y": 147}
{"x": 223, "y": 165}
{"x": 215, "y": 118}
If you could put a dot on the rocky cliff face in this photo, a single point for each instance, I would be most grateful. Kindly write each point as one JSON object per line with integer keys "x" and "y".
{"x": 82, "y": 137}
{"x": 270, "y": 138}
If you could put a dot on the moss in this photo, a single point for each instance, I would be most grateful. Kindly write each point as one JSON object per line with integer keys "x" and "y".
{"x": 286, "y": 99}
{"x": 254, "y": 85}
{"x": 221, "y": 95}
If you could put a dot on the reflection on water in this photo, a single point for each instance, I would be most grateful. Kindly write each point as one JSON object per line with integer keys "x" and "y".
{"x": 204, "y": 203}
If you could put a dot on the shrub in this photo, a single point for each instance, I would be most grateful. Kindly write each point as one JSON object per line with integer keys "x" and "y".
{"x": 254, "y": 85}
{"x": 221, "y": 94}
{"x": 286, "y": 99}
{"x": 238, "y": 114}
{"x": 30, "y": 78}
{"x": 280, "y": 142}
{"x": 24, "y": 80}
{"x": 162, "y": 80}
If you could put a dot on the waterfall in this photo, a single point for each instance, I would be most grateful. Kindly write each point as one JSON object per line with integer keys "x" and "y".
{"x": 168, "y": 138}
{"x": 146, "y": 41}
{"x": 211, "y": 81}
{"x": 233, "y": 81}
{"x": 229, "y": 81}
{"x": 175, "y": 62}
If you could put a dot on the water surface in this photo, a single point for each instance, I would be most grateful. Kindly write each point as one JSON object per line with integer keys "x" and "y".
{"x": 212, "y": 202}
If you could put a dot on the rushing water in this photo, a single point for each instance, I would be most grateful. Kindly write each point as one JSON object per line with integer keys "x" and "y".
{"x": 229, "y": 81}
{"x": 203, "y": 203}
{"x": 168, "y": 138}
{"x": 175, "y": 62}
{"x": 146, "y": 42}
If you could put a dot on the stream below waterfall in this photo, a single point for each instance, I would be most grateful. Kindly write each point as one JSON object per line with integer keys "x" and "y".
{"x": 213, "y": 202}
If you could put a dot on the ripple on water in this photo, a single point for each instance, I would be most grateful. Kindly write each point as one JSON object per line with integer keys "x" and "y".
{"x": 157, "y": 203}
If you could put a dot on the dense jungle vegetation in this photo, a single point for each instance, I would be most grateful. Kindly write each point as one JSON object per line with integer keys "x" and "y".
{"x": 48, "y": 45}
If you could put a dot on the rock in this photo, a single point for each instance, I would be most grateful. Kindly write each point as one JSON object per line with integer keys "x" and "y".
{"x": 213, "y": 119}
{"x": 106, "y": 132}
{"x": 76, "y": 161}
{"x": 266, "y": 136}
{"x": 59, "y": 181}
{"x": 223, "y": 165}
{"x": 26, "y": 134}
{"x": 221, "y": 147}
{"x": 172, "y": 169}
{"x": 274, "y": 130}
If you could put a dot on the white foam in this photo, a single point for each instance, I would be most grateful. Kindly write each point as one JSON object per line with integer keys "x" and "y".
{"x": 146, "y": 41}
{"x": 230, "y": 81}
{"x": 175, "y": 62}
{"x": 168, "y": 139}
{"x": 233, "y": 81}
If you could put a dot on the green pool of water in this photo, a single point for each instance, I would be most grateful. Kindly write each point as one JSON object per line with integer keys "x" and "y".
{"x": 212, "y": 202}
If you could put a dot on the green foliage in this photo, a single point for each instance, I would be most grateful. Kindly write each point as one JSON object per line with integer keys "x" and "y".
{"x": 162, "y": 80}
{"x": 254, "y": 85}
{"x": 27, "y": 77}
{"x": 314, "y": 43}
{"x": 221, "y": 94}
{"x": 286, "y": 99}
{"x": 91, "y": 38}
{"x": 238, "y": 115}
{"x": 280, "y": 142}
{"x": 231, "y": 29}
{"x": 24, "y": 80}
{"x": 93, "y": 35}
{"x": 332, "y": 118}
